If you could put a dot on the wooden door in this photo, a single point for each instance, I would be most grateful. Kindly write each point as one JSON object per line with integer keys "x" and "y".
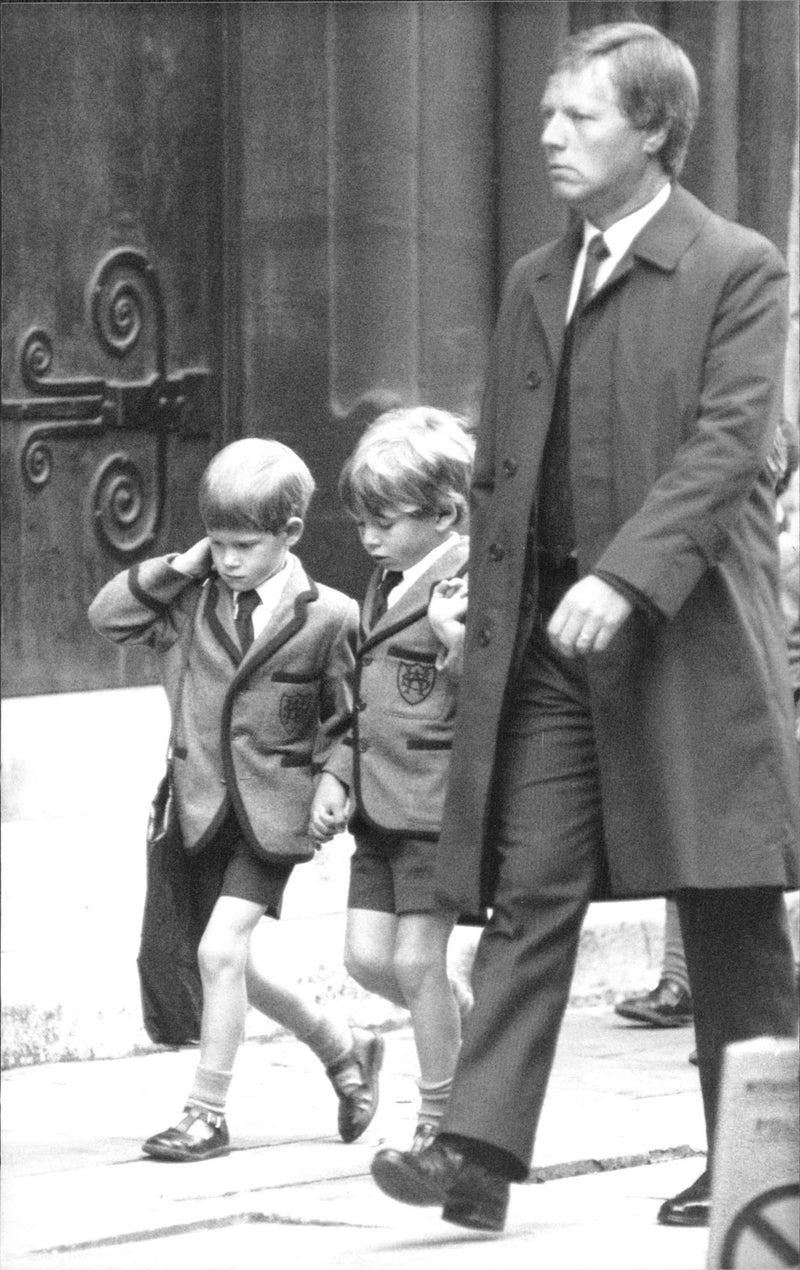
{"x": 113, "y": 200}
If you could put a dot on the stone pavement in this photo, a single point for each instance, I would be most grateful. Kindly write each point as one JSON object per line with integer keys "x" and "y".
{"x": 622, "y": 1130}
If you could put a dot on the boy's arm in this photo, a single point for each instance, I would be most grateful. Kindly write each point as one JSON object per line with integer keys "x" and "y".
{"x": 331, "y": 751}
{"x": 147, "y": 603}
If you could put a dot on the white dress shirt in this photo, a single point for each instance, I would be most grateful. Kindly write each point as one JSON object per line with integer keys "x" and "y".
{"x": 270, "y": 594}
{"x": 619, "y": 237}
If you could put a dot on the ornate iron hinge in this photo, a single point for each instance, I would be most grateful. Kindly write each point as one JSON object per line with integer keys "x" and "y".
{"x": 125, "y": 514}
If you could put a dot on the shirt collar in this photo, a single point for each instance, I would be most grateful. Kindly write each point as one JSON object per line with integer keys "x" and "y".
{"x": 415, "y": 571}
{"x": 621, "y": 234}
{"x": 269, "y": 592}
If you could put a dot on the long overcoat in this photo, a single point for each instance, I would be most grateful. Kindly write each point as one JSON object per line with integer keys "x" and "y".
{"x": 252, "y": 731}
{"x": 675, "y": 399}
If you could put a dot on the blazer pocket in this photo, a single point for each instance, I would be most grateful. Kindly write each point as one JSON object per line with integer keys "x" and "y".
{"x": 418, "y": 692}
{"x": 297, "y": 705}
{"x": 417, "y": 744}
{"x": 287, "y": 677}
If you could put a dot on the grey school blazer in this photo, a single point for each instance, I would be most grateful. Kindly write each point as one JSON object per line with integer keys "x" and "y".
{"x": 404, "y": 710}
{"x": 253, "y": 731}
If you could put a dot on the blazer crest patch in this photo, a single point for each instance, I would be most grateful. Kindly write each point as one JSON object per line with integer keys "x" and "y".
{"x": 415, "y": 681}
{"x": 296, "y": 712}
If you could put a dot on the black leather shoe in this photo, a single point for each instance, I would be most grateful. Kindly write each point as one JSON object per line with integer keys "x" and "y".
{"x": 690, "y": 1207}
{"x": 200, "y": 1135}
{"x": 439, "y": 1174}
{"x": 668, "y": 1005}
{"x": 358, "y": 1106}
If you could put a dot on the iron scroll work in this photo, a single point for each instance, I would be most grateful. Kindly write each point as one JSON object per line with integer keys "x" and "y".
{"x": 123, "y": 291}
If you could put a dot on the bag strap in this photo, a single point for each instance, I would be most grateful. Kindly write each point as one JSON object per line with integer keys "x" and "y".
{"x": 187, "y": 643}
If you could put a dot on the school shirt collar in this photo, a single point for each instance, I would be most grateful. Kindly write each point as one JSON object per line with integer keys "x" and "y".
{"x": 269, "y": 593}
{"x": 415, "y": 571}
{"x": 618, "y": 237}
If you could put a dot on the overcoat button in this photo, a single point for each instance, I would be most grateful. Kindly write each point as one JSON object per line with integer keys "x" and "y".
{"x": 484, "y": 637}
{"x": 361, "y": 704}
{"x": 509, "y": 467}
{"x": 496, "y": 551}
{"x": 363, "y": 746}
{"x": 533, "y": 379}
{"x": 367, "y": 660}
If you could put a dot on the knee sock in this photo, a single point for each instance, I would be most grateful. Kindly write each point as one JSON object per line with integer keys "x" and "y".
{"x": 433, "y": 1100}
{"x": 210, "y": 1090}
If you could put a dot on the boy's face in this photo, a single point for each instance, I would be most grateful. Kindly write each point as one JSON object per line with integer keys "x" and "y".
{"x": 399, "y": 540}
{"x": 246, "y": 558}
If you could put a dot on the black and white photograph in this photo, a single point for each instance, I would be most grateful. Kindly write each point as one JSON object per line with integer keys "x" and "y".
{"x": 400, "y": 614}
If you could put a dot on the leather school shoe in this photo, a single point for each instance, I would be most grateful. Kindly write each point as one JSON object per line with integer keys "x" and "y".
{"x": 358, "y": 1106}
{"x": 690, "y": 1207}
{"x": 200, "y": 1135}
{"x": 439, "y": 1174}
{"x": 423, "y": 1137}
{"x": 668, "y": 1005}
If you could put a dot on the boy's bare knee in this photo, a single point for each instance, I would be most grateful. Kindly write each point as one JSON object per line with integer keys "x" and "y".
{"x": 215, "y": 959}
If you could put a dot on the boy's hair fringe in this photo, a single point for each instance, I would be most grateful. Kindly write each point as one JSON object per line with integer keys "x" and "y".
{"x": 410, "y": 461}
{"x": 255, "y": 485}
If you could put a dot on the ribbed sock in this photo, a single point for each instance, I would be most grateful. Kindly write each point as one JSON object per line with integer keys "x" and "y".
{"x": 433, "y": 1100}
{"x": 210, "y": 1089}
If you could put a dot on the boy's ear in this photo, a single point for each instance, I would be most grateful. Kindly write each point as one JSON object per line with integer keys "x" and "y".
{"x": 446, "y": 518}
{"x": 294, "y": 530}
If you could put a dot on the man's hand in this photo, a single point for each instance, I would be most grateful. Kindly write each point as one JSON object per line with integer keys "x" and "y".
{"x": 196, "y": 562}
{"x": 588, "y": 617}
{"x": 328, "y": 809}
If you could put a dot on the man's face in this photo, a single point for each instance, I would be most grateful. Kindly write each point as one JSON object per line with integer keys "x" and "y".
{"x": 597, "y": 161}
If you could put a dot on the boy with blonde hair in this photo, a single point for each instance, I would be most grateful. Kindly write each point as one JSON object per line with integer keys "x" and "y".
{"x": 406, "y": 487}
{"x": 267, "y": 694}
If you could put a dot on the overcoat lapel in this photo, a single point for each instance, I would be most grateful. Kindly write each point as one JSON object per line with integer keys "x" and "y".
{"x": 549, "y": 285}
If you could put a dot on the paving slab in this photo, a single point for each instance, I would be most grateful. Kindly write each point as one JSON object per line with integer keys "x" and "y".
{"x": 622, "y": 1129}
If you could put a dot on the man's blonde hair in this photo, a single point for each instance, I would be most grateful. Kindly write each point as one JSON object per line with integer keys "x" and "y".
{"x": 410, "y": 461}
{"x": 255, "y": 484}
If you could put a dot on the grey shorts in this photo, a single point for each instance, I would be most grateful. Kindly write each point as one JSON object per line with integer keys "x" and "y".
{"x": 391, "y": 873}
{"x": 227, "y": 866}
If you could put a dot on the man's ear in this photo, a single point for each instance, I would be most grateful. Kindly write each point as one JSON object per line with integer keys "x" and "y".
{"x": 446, "y": 518}
{"x": 294, "y": 530}
{"x": 654, "y": 141}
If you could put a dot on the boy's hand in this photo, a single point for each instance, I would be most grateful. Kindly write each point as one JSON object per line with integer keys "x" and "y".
{"x": 196, "y": 562}
{"x": 447, "y": 610}
{"x": 329, "y": 809}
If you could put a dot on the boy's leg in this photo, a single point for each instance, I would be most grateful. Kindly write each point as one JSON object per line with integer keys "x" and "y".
{"x": 421, "y": 969}
{"x": 351, "y": 1056}
{"x": 222, "y": 956}
{"x": 369, "y": 950}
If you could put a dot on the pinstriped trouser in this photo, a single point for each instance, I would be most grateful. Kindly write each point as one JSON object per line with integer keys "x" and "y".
{"x": 548, "y": 839}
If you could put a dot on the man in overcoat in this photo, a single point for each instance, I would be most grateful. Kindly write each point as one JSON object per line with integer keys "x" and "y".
{"x": 625, "y": 720}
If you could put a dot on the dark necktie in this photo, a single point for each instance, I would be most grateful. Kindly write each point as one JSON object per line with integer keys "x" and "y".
{"x": 556, "y": 532}
{"x": 246, "y": 602}
{"x": 387, "y": 583}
